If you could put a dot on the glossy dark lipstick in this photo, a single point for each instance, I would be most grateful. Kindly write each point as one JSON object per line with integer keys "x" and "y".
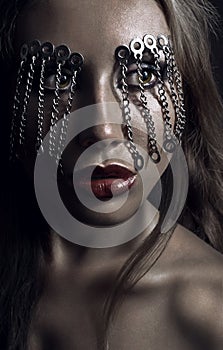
{"x": 107, "y": 181}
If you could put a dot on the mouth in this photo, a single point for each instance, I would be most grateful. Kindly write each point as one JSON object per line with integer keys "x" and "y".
{"x": 105, "y": 182}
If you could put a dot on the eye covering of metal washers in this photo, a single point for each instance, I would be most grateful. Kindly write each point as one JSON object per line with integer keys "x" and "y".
{"x": 35, "y": 55}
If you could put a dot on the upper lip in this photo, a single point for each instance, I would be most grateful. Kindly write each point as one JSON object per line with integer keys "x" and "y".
{"x": 112, "y": 171}
{"x": 105, "y": 170}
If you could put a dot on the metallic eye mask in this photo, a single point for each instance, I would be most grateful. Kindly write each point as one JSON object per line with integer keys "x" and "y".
{"x": 155, "y": 47}
{"x": 35, "y": 55}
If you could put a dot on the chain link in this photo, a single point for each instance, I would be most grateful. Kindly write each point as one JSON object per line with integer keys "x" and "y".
{"x": 181, "y": 120}
{"x": 15, "y": 108}
{"x": 169, "y": 143}
{"x": 55, "y": 112}
{"x": 138, "y": 159}
{"x": 28, "y": 91}
{"x": 146, "y": 114}
{"x": 40, "y": 117}
{"x": 65, "y": 120}
{"x": 174, "y": 96}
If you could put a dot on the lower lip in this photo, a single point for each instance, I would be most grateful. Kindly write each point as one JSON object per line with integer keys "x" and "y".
{"x": 107, "y": 188}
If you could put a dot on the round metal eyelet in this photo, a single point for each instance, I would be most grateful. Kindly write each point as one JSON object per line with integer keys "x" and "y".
{"x": 162, "y": 41}
{"x": 76, "y": 60}
{"x": 122, "y": 53}
{"x": 62, "y": 53}
{"x": 137, "y": 47}
{"x": 155, "y": 156}
{"x": 138, "y": 162}
{"x": 149, "y": 41}
{"x": 34, "y": 47}
{"x": 47, "y": 49}
{"x": 169, "y": 145}
{"x": 24, "y": 51}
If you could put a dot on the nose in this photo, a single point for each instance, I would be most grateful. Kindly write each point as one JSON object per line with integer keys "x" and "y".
{"x": 99, "y": 133}
{"x": 106, "y": 121}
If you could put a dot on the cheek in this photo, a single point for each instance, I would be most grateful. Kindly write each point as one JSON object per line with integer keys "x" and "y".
{"x": 156, "y": 113}
{"x": 141, "y": 131}
{"x": 33, "y": 119}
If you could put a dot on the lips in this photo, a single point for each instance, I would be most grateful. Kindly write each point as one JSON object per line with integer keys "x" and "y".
{"x": 106, "y": 181}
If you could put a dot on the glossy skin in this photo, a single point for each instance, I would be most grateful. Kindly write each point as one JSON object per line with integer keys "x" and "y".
{"x": 178, "y": 304}
{"x": 98, "y": 83}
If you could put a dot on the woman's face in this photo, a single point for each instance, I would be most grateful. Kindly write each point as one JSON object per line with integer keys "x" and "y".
{"x": 95, "y": 29}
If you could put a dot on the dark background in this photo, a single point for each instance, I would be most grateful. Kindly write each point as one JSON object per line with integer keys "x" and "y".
{"x": 217, "y": 45}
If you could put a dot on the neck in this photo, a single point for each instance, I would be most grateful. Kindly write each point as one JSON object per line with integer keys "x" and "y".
{"x": 67, "y": 254}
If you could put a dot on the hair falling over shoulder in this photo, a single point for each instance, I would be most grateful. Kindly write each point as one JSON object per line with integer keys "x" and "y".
{"x": 191, "y": 24}
{"x": 22, "y": 252}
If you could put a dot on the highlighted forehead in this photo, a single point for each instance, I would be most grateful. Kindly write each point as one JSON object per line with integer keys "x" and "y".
{"x": 109, "y": 24}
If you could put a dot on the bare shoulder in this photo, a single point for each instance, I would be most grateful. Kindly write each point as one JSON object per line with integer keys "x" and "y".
{"x": 198, "y": 286}
{"x": 188, "y": 250}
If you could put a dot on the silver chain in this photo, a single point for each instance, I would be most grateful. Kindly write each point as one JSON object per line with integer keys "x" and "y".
{"x": 169, "y": 142}
{"x": 176, "y": 91}
{"x": 181, "y": 120}
{"x": 40, "y": 117}
{"x": 15, "y": 109}
{"x": 174, "y": 96}
{"x": 65, "y": 120}
{"x": 146, "y": 114}
{"x": 138, "y": 159}
{"x": 28, "y": 91}
{"x": 55, "y": 112}
{"x": 162, "y": 95}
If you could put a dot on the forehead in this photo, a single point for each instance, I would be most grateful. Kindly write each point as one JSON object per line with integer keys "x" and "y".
{"x": 87, "y": 26}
